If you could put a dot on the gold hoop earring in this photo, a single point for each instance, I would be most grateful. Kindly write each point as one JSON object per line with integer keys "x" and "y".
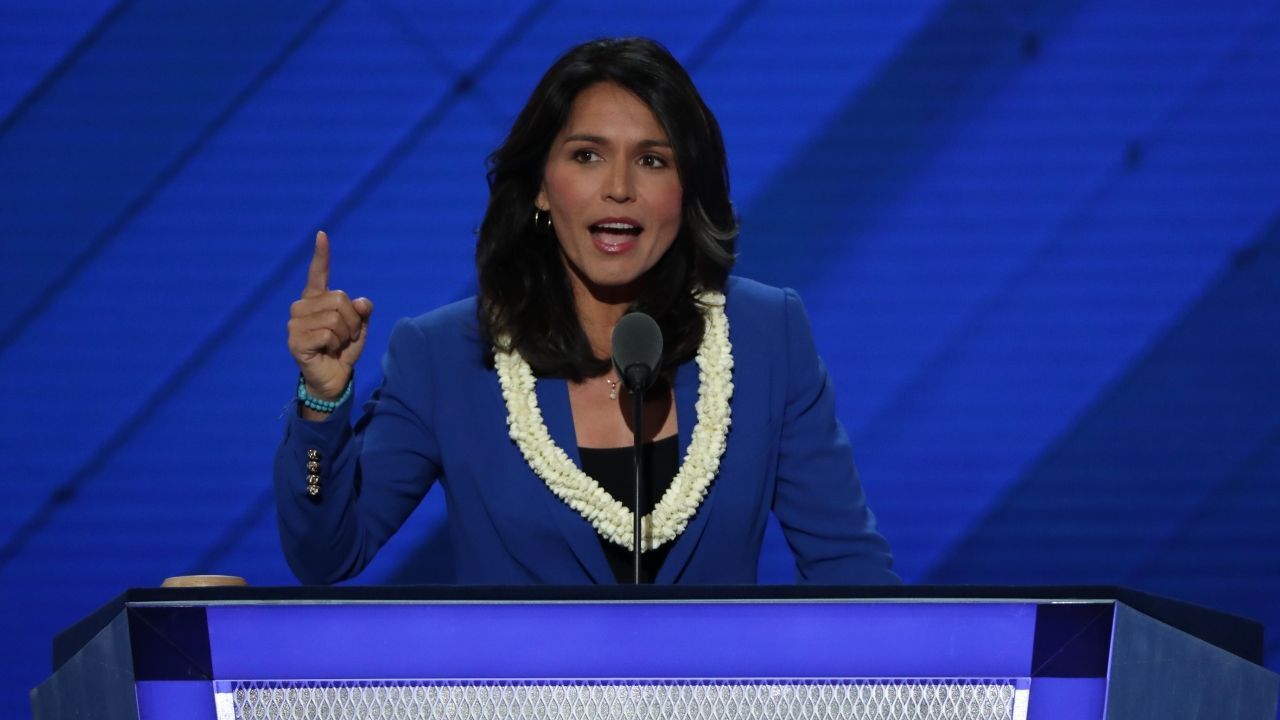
{"x": 541, "y": 221}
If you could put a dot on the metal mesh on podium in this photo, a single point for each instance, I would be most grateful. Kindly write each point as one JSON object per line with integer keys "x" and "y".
{"x": 879, "y": 699}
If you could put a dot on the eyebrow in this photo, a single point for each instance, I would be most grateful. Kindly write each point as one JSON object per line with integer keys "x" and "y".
{"x": 600, "y": 140}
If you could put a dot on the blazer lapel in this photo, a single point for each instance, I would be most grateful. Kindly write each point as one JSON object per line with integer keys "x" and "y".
{"x": 553, "y": 400}
{"x": 686, "y": 417}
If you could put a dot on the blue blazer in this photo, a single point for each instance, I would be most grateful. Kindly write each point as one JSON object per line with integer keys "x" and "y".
{"x": 439, "y": 415}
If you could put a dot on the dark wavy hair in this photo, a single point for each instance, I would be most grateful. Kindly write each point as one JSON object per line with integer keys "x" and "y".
{"x": 524, "y": 291}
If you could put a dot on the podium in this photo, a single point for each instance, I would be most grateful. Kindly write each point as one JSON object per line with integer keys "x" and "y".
{"x": 656, "y": 652}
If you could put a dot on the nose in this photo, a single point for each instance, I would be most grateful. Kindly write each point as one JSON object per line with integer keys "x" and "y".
{"x": 619, "y": 184}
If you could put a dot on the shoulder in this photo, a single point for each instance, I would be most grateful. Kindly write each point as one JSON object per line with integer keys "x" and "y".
{"x": 448, "y": 335}
{"x": 451, "y": 318}
{"x": 756, "y": 306}
{"x": 769, "y": 325}
{"x": 436, "y": 356}
{"x": 747, "y": 291}
{"x": 449, "y": 324}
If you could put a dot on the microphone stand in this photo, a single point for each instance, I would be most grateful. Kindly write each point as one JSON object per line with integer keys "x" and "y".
{"x": 637, "y": 351}
{"x": 637, "y": 414}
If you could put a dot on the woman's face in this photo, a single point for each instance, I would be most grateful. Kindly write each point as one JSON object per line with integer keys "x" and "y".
{"x": 612, "y": 189}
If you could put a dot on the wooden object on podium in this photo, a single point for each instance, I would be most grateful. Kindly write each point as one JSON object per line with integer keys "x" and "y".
{"x": 748, "y": 652}
{"x": 190, "y": 581}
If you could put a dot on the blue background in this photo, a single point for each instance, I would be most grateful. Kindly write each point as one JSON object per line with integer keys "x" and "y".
{"x": 1039, "y": 241}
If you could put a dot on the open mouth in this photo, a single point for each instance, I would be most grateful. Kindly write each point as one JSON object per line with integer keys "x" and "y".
{"x": 621, "y": 230}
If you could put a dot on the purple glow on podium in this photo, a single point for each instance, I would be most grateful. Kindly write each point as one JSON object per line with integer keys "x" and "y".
{"x": 632, "y": 640}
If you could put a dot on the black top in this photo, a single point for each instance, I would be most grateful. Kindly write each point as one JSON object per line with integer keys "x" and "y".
{"x": 613, "y": 468}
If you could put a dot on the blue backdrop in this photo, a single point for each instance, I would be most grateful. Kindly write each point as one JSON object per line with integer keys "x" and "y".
{"x": 1040, "y": 242}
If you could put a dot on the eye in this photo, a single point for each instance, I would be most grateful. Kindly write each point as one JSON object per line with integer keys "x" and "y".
{"x": 585, "y": 156}
{"x": 653, "y": 161}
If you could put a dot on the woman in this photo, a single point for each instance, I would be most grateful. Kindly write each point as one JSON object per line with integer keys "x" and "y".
{"x": 609, "y": 195}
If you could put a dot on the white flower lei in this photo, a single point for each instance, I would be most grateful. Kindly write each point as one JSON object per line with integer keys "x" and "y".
{"x": 609, "y": 517}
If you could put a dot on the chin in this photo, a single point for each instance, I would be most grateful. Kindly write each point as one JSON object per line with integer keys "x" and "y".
{"x": 616, "y": 282}
{"x": 610, "y": 281}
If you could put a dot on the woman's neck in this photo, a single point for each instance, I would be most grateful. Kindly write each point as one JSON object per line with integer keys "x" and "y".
{"x": 598, "y": 318}
{"x": 599, "y": 310}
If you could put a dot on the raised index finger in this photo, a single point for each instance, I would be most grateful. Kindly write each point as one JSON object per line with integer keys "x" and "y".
{"x": 318, "y": 273}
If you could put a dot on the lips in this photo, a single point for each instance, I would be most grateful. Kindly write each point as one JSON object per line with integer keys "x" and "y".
{"x": 621, "y": 226}
{"x": 615, "y": 235}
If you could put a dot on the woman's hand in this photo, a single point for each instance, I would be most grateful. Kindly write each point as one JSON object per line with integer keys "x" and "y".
{"x": 327, "y": 330}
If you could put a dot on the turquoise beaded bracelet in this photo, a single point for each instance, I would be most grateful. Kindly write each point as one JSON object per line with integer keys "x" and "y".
{"x": 319, "y": 405}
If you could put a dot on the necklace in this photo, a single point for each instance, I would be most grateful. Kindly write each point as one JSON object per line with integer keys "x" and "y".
{"x": 611, "y": 519}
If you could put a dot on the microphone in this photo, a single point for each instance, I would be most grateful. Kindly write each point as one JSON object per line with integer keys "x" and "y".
{"x": 637, "y": 350}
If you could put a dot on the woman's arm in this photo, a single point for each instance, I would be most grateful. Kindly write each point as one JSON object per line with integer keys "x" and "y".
{"x": 370, "y": 476}
{"x": 818, "y": 499}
